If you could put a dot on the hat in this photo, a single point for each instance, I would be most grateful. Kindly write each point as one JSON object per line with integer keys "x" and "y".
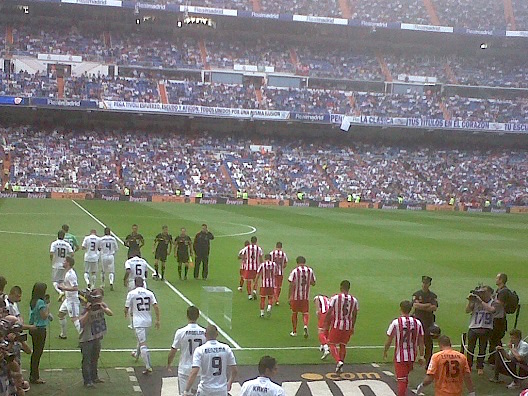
{"x": 427, "y": 279}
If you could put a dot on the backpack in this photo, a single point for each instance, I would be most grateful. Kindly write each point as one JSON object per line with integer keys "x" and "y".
{"x": 512, "y": 302}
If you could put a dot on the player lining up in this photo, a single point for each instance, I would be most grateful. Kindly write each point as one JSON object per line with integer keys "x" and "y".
{"x": 183, "y": 252}
{"x": 134, "y": 267}
{"x": 91, "y": 245}
{"x": 253, "y": 256}
{"x": 71, "y": 305}
{"x": 301, "y": 278}
{"x": 278, "y": 256}
{"x": 162, "y": 248}
{"x": 266, "y": 272}
{"x": 243, "y": 266}
{"x": 59, "y": 250}
{"x": 109, "y": 248}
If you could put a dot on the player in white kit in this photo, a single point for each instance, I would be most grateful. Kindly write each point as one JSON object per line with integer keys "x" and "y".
{"x": 91, "y": 247}
{"x": 139, "y": 303}
{"x": 59, "y": 250}
{"x": 71, "y": 305}
{"x": 263, "y": 385}
{"x": 109, "y": 248}
{"x": 187, "y": 339}
{"x": 214, "y": 359}
{"x": 134, "y": 267}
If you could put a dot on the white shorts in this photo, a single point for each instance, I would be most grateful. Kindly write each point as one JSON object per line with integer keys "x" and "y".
{"x": 57, "y": 274}
{"x": 107, "y": 263}
{"x": 182, "y": 383}
{"x": 73, "y": 307}
{"x": 90, "y": 267}
{"x": 141, "y": 334}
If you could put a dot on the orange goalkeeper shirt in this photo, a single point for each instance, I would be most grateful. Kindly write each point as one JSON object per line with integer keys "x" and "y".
{"x": 448, "y": 367}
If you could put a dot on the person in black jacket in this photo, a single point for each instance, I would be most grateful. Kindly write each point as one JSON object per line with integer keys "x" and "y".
{"x": 201, "y": 247}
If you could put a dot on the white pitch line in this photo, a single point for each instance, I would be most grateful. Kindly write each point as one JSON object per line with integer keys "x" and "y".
{"x": 26, "y": 233}
{"x": 253, "y": 230}
{"x": 180, "y": 294}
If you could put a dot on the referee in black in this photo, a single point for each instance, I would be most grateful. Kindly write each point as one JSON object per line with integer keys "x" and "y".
{"x": 425, "y": 305}
{"x": 202, "y": 246}
{"x": 134, "y": 242}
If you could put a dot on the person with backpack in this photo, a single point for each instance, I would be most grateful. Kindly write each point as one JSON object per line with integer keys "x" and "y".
{"x": 508, "y": 305}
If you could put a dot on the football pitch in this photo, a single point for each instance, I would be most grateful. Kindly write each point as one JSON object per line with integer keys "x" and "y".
{"x": 383, "y": 254}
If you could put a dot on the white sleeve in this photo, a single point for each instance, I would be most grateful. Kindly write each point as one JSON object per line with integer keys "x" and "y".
{"x": 197, "y": 357}
{"x": 177, "y": 340}
{"x": 291, "y": 277}
{"x": 53, "y": 247}
{"x": 127, "y": 265}
{"x": 390, "y": 330}
{"x": 244, "y": 391}
{"x": 128, "y": 300}
{"x": 231, "y": 358}
{"x": 153, "y": 298}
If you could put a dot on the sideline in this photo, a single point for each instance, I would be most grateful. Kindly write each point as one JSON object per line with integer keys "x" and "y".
{"x": 229, "y": 339}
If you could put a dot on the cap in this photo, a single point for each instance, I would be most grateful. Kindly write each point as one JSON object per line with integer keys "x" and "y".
{"x": 427, "y": 279}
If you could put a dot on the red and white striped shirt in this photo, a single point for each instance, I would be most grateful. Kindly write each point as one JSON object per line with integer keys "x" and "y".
{"x": 252, "y": 254}
{"x": 243, "y": 260}
{"x": 280, "y": 258}
{"x": 302, "y": 278}
{"x": 323, "y": 303}
{"x": 344, "y": 305}
{"x": 406, "y": 330}
{"x": 267, "y": 271}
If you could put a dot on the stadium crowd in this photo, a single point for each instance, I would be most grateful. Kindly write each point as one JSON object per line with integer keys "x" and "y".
{"x": 161, "y": 163}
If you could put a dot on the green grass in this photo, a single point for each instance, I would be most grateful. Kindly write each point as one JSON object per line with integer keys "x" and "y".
{"x": 383, "y": 254}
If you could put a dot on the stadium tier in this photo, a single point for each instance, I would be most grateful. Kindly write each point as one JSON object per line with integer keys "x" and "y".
{"x": 214, "y": 166}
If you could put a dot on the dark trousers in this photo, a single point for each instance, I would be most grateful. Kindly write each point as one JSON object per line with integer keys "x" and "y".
{"x": 482, "y": 336}
{"x": 201, "y": 258}
{"x": 38, "y": 338}
{"x": 513, "y": 365}
{"x": 428, "y": 341}
{"x": 500, "y": 325}
{"x": 90, "y": 356}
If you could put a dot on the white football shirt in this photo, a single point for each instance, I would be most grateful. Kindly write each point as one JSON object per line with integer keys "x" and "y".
{"x": 213, "y": 357}
{"x": 70, "y": 280}
{"x": 91, "y": 245}
{"x": 187, "y": 339}
{"x": 261, "y": 386}
{"x": 60, "y": 250}
{"x": 108, "y": 245}
{"x": 139, "y": 303}
{"x": 137, "y": 267}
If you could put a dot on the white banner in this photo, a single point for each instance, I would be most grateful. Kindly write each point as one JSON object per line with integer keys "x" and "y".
{"x": 208, "y": 10}
{"x": 419, "y": 79}
{"x": 427, "y": 28}
{"x": 316, "y": 19}
{"x": 60, "y": 58}
{"x": 108, "y": 3}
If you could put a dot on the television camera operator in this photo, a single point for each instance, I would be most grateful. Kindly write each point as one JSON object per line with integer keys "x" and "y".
{"x": 93, "y": 329}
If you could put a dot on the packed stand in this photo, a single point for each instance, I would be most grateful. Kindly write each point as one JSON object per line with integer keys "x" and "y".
{"x": 398, "y": 105}
{"x": 227, "y": 53}
{"x": 490, "y": 72}
{"x": 520, "y": 10}
{"x": 323, "y": 8}
{"x": 307, "y": 100}
{"x": 417, "y": 65}
{"x": 340, "y": 63}
{"x": 492, "y": 110}
{"x": 213, "y": 95}
{"x": 32, "y": 85}
{"x": 409, "y": 11}
{"x": 482, "y": 14}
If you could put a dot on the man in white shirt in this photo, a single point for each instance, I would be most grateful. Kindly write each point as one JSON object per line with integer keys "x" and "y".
{"x": 71, "y": 305}
{"x": 59, "y": 250}
{"x": 139, "y": 303}
{"x": 109, "y": 248}
{"x": 187, "y": 339}
{"x": 91, "y": 245}
{"x": 213, "y": 359}
{"x": 262, "y": 385}
{"x": 135, "y": 267}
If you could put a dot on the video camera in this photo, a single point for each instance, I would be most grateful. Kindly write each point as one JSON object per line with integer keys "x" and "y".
{"x": 93, "y": 297}
{"x": 10, "y": 331}
{"x": 476, "y": 293}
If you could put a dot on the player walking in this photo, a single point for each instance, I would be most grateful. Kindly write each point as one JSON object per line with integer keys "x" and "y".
{"x": 266, "y": 272}
{"x": 138, "y": 304}
{"x": 109, "y": 248}
{"x": 59, "y": 250}
{"x": 70, "y": 238}
{"x": 243, "y": 265}
{"x": 183, "y": 252}
{"x": 162, "y": 248}
{"x": 342, "y": 315}
{"x": 71, "y": 305}
{"x": 301, "y": 279}
{"x": 91, "y": 245}
{"x": 278, "y": 256}
{"x": 253, "y": 256}
{"x": 322, "y": 304}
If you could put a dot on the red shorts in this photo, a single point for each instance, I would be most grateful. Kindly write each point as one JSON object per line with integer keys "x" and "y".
{"x": 299, "y": 306}
{"x": 403, "y": 369}
{"x": 321, "y": 322}
{"x": 278, "y": 280}
{"x": 337, "y": 336}
{"x": 250, "y": 274}
{"x": 267, "y": 291}
{"x": 242, "y": 272}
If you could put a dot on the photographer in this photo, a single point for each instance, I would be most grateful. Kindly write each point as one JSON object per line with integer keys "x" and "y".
{"x": 482, "y": 308}
{"x": 500, "y": 324}
{"x": 516, "y": 357}
{"x": 93, "y": 329}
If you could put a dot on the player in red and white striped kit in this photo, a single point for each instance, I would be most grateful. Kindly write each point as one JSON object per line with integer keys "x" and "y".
{"x": 279, "y": 257}
{"x": 266, "y": 273}
{"x": 322, "y": 304}
{"x": 409, "y": 335}
{"x": 301, "y": 278}
{"x": 253, "y": 256}
{"x": 243, "y": 266}
{"x": 342, "y": 316}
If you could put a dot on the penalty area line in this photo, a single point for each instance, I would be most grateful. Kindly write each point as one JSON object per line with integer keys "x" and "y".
{"x": 176, "y": 291}
{"x": 26, "y": 233}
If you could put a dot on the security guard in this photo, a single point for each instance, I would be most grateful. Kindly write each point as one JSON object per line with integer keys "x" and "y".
{"x": 245, "y": 195}
{"x": 357, "y": 199}
{"x": 400, "y": 199}
{"x": 349, "y": 197}
{"x": 425, "y": 305}
{"x": 452, "y": 201}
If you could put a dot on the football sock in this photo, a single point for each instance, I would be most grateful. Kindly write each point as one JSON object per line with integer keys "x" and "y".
{"x": 306, "y": 318}
{"x": 63, "y": 322}
{"x": 102, "y": 278}
{"x": 241, "y": 281}
{"x": 402, "y": 386}
{"x": 179, "y": 270}
{"x": 111, "y": 278}
{"x": 269, "y": 307}
{"x": 77, "y": 325}
{"x": 342, "y": 352}
{"x": 186, "y": 270}
{"x": 294, "y": 322}
{"x": 262, "y": 303}
{"x": 277, "y": 293}
{"x": 261, "y": 312}
{"x": 155, "y": 269}
{"x": 56, "y": 287}
{"x": 163, "y": 270}
{"x": 87, "y": 278}
{"x": 248, "y": 287}
{"x": 145, "y": 355}
{"x": 94, "y": 279}
{"x": 322, "y": 338}
{"x": 334, "y": 352}
{"x": 270, "y": 301}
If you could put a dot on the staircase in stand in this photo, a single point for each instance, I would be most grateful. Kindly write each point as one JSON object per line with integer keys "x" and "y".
{"x": 294, "y": 59}
{"x": 384, "y": 68}
{"x": 256, "y": 5}
{"x": 445, "y": 110}
{"x": 433, "y": 16}
{"x": 509, "y": 15}
{"x": 60, "y": 87}
{"x": 260, "y": 98}
{"x": 107, "y": 39}
{"x": 344, "y": 6}
{"x": 203, "y": 53}
{"x": 450, "y": 73}
{"x": 227, "y": 175}
{"x": 162, "y": 89}
{"x": 10, "y": 40}
{"x": 353, "y": 105}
